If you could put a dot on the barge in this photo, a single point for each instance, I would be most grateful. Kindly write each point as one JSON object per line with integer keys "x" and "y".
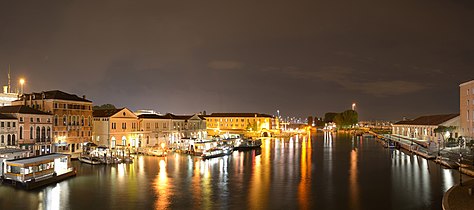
{"x": 33, "y": 172}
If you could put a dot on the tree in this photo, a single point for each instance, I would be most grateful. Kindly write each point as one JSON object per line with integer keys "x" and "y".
{"x": 441, "y": 130}
{"x": 346, "y": 119}
{"x": 329, "y": 117}
{"x": 103, "y": 106}
{"x": 310, "y": 121}
{"x": 318, "y": 122}
{"x": 351, "y": 117}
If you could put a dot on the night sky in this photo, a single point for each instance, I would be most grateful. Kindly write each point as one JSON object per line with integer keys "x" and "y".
{"x": 394, "y": 58}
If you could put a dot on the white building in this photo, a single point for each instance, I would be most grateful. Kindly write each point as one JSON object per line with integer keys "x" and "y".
{"x": 422, "y": 128}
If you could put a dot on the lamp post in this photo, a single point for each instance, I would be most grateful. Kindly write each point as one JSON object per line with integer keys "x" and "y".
{"x": 22, "y": 82}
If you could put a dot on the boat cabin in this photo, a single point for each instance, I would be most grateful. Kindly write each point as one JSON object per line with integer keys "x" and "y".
{"x": 37, "y": 168}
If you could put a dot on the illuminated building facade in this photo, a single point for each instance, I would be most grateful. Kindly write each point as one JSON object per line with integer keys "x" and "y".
{"x": 33, "y": 130}
{"x": 252, "y": 124}
{"x": 8, "y": 130}
{"x": 116, "y": 128}
{"x": 467, "y": 108}
{"x": 170, "y": 128}
{"x": 422, "y": 128}
{"x": 72, "y": 118}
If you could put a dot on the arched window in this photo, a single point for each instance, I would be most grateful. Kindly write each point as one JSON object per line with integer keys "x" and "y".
{"x": 21, "y": 132}
{"x": 82, "y": 120}
{"x": 64, "y": 120}
{"x": 3, "y": 140}
{"x": 89, "y": 121}
{"x": 48, "y": 133}
{"x": 13, "y": 139}
{"x": 9, "y": 140}
{"x": 38, "y": 134}
{"x": 43, "y": 133}
{"x": 31, "y": 132}
{"x": 55, "y": 120}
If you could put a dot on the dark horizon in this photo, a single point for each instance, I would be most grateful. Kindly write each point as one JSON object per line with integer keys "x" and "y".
{"x": 394, "y": 59}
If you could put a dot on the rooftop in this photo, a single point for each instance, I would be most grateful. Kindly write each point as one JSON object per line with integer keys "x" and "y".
{"x": 35, "y": 159}
{"x": 7, "y": 117}
{"x": 11, "y": 150}
{"x": 239, "y": 115}
{"x": 428, "y": 120}
{"x": 105, "y": 112}
{"x": 54, "y": 94}
{"x": 151, "y": 116}
{"x": 22, "y": 109}
{"x": 467, "y": 83}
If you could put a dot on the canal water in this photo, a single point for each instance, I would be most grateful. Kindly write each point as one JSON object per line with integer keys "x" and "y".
{"x": 319, "y": 171}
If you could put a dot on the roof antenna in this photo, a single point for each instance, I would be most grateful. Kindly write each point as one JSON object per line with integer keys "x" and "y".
{"x": 9, "y": 84}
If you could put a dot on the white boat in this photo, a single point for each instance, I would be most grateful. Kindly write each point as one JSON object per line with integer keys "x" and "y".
{"x": 227, "y": 149}
{"x": 90, "y": 160}
{"x": 246, "y": 144}
{"x": 157, "y": 152}
{"x": 213, "y": 152}
{"x": 38, "y": 171}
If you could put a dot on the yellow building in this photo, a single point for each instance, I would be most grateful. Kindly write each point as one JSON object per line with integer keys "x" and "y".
{"x": 116, "y": 128}
{"x": 467, "y": 109}
{"x": 72, "y": 118}
{"x": 250, "y": 124}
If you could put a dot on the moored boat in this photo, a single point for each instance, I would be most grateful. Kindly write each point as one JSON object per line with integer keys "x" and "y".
{"x": 33, "y": 172}
{"x": 157, "y": 152}
{"x": 213, "y": 152}
{"x": 246, "y": 144}
{"x": 90, "y": 160}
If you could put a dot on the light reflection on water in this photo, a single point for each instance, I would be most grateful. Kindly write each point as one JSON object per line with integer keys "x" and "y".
{"x": 323, "y": 171}
{"x": 162, "y": 186}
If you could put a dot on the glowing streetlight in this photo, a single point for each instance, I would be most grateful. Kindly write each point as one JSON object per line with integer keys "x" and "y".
{"x": 22, "y": 82}
{"x": 353, "y": 106}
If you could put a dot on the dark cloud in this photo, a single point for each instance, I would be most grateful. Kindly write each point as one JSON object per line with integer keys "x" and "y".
{"x": 395, "y": 58}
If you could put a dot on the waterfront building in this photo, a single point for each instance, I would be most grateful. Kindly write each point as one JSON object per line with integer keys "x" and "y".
{"x": 13, "y": 153}
{"x": 195, "y": 127}
{"x": 72, "y": 118}
{"x": 116, "y": 128}
{"x": 168, "y": 129}
{"x": 422, "y": 128}
{"x": 154, "y": 129}
{"x": 34, "y": 128}
{"x": 251, "y": 124}
{"x": 467, "y": 109}
{"x": 379, "y": 124}
{"x": 8, "y": 130}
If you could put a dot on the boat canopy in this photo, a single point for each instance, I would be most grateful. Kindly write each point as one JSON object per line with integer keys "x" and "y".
{"x": 24, "y": 162}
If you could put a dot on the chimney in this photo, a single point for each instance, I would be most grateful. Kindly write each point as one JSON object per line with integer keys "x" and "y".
{"x": 83, "y": 96}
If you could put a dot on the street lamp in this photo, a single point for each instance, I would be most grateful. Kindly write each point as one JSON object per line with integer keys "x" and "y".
{"x": 22, "y": 82}
{"x": 353, "y": 106}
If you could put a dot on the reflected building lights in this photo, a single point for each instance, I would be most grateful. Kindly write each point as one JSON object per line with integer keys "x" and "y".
{"x": 162, "y": 187}
{"x": 353, "y": 182}
{"x": 448, "y": 179}
{"x": 305, "y": 182}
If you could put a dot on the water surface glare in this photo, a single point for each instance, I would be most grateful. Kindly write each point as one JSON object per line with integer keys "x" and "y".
{"x": 321, "y": 171}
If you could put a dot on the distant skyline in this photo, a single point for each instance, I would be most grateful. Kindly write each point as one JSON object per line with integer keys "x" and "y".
{"x": 395, "y": 58}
